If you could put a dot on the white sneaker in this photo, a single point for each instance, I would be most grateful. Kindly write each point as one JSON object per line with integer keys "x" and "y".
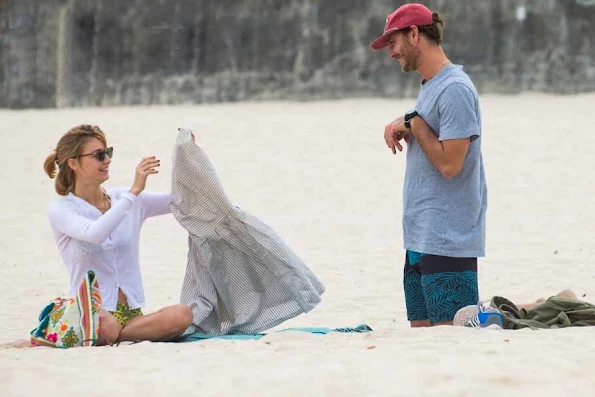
{"x": 486, "y": 316}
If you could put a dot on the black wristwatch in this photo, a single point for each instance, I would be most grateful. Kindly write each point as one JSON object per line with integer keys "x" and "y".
{"x": 408, "y": 117}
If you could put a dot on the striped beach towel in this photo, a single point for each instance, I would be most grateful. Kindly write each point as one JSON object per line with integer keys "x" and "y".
{"x": 241, "y": 278}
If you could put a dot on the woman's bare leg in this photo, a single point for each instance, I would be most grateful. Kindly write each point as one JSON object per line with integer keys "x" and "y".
{"x": 161, "y": 326}
{"x": 19, "y": 344}
{"x": 109, "y": 328}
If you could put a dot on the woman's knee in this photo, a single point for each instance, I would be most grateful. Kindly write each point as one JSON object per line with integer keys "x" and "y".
{"x": 185, "y": 315}
{"x": 179, "y": 316}
{"x": 109, "y": 328}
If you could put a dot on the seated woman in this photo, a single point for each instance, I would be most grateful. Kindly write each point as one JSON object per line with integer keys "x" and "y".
{"x": 97, "y": 229}
{"x": 240, "y": 277}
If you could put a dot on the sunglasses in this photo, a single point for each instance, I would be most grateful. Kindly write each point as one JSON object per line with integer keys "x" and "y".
{"x": 100, "y": 154}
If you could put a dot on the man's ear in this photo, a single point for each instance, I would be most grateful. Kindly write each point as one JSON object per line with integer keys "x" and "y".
{"x": 414, "y": 34}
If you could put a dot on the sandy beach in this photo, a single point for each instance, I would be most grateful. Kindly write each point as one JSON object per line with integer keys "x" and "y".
{"x": 321, "y": 175}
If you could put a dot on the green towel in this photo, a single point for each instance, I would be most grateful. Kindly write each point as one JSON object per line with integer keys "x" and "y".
{"x": 555, "y": 312}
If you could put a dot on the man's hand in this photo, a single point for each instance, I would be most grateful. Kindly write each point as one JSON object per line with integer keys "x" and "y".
{"x": 394, "y": 132}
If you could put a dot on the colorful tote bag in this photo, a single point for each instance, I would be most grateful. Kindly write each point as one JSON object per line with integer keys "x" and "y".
{"x": 73, "y": 322}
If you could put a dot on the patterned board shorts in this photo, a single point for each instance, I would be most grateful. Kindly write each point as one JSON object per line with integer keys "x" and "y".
{"x": 124, "y": 314}
{"x": 436, "y": 287}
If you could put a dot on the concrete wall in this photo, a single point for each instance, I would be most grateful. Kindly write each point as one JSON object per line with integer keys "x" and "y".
{"x": 114, "y": 52}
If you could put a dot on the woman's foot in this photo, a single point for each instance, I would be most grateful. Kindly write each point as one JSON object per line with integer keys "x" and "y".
{"x": 19, "y": 344}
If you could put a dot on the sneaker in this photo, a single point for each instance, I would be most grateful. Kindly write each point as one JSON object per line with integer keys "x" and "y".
{"x": 486, "y": 316}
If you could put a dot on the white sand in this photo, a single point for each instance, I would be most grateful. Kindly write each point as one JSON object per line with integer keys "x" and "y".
{"x": 321, "y": 175}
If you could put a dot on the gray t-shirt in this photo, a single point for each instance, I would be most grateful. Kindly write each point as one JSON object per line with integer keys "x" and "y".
{"x": 446, "y": 216}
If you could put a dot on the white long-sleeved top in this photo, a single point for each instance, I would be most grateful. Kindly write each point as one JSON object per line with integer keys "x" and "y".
{"x": 106, "y": 243}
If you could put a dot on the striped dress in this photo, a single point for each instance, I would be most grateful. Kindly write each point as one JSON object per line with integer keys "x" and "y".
{"x": 240, "y": 277}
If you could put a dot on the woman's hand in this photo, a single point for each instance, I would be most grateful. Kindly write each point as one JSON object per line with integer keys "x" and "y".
{"x": 146, "y": 167}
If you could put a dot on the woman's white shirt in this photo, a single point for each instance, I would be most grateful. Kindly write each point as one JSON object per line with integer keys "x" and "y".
{"x": 106, "y": 243}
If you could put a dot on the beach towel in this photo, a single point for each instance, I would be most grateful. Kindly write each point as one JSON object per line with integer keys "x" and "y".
{"x": 241, "y": 277}
{"x": 72, "y": 322}
{"x": 196, "y": 337}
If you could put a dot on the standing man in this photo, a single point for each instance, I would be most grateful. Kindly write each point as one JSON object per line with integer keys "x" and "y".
{"x": 445, "y": 193}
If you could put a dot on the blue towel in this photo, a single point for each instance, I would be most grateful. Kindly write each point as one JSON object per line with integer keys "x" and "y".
{"x": 195, "y": 337}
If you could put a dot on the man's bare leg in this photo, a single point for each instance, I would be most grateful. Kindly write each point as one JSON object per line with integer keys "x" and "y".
{"x": 442, "y": 323}
{"x": 420, "y": 323}
{"x": 161, "y": 326}
{"x": 427, "y": 323}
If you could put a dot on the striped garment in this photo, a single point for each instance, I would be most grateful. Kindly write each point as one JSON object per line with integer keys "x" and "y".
{"x": 241, "y": 277}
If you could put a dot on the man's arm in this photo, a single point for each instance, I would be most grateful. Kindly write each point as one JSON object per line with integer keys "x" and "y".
{"x": 447, "y": 156}
{"x": 459, "y": 125}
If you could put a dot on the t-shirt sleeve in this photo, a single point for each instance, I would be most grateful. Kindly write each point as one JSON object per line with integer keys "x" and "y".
{"x": 65, "y": 218}
{"x": 459, "y": 119}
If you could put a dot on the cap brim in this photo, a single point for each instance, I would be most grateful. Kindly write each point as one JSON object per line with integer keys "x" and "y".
{"x": 382, "y": 41}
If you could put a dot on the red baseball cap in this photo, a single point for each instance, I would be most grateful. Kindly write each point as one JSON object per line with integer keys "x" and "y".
{"x": 411, "y": 14}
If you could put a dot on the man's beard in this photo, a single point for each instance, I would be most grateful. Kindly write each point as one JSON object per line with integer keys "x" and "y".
{"x": 410, "y": 57}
